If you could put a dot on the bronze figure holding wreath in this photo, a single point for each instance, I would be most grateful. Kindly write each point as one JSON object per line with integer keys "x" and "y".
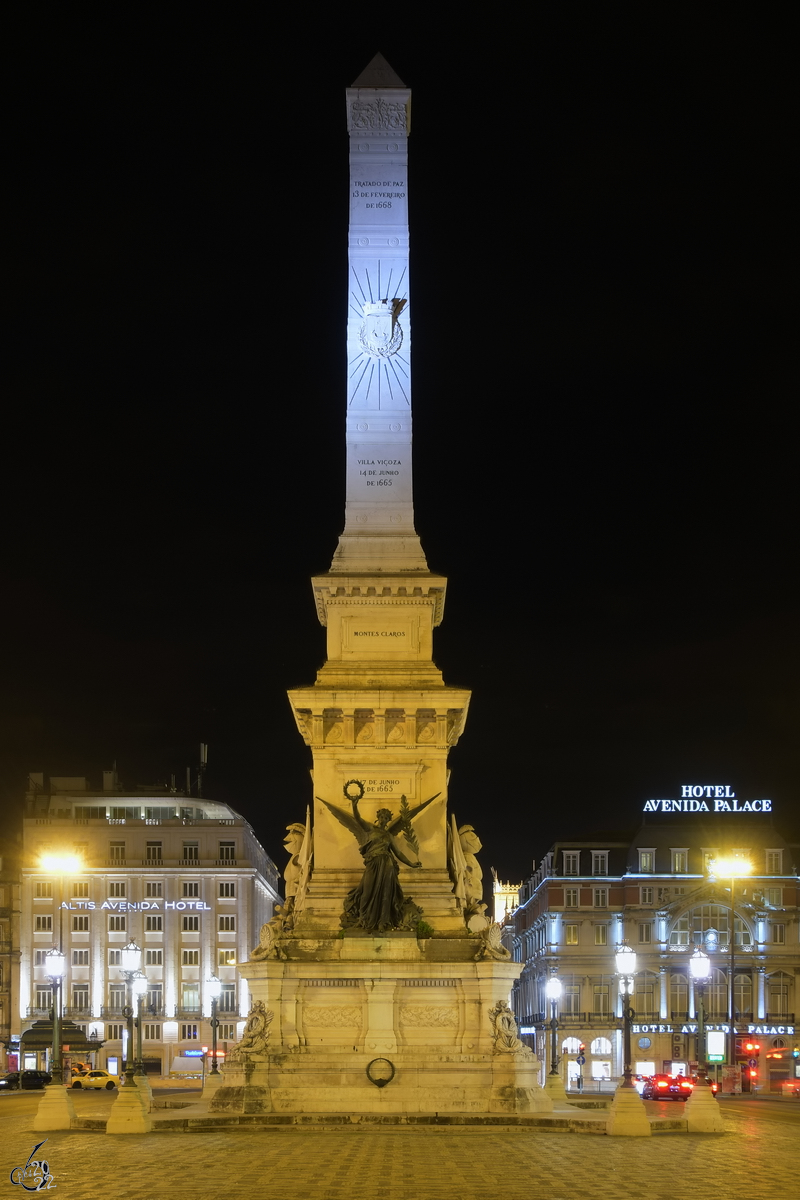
{"x": 377, "y": 904}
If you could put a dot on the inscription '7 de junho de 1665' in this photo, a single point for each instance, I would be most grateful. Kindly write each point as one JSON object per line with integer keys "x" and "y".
{"x": 708, "y": 797}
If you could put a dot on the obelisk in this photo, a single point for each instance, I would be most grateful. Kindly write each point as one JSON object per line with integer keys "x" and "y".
{"x": 379, "y": 711}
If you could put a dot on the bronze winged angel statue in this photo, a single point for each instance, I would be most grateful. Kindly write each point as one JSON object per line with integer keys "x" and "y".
{"x": 377, "y": 904}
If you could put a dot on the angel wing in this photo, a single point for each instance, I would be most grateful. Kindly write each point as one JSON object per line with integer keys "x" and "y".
{"x": 345, "y": 818}
{"x": 396, "y": 824}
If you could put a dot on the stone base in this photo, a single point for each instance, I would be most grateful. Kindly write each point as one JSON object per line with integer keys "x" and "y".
{"x": 627, "y": 1116}
{"x": 143, "y": 1084}
{"x": 129, "y": 1113}
{"x": 56, "y": 1109}
{"x": 554, "y": 1088}
{"x": 702, "y": 1111}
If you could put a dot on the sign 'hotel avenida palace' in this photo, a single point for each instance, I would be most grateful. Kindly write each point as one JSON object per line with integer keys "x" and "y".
{"x": 706, "y": 869}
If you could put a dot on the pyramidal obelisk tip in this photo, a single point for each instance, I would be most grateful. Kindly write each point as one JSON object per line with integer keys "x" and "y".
{"x": 378, "y": 74}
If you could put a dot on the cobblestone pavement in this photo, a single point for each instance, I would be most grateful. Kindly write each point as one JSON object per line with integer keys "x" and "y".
{"x": 753, "y": 1160}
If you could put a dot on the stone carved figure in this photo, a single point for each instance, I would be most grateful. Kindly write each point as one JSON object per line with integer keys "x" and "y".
{"x": 377, "y": 904}
{"x": 255, "y": 1039}
{"x": 506, "y": 1036}
{"x": 463, "y": 845}
{"x": 299, "y": 846}
{"x": 270, "y": 937}
{"x": 492, "y": 944}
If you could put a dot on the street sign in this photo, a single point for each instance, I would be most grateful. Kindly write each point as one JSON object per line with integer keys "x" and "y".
{"x": 580, "y": 1060}
{"x": 753, "y": 1062}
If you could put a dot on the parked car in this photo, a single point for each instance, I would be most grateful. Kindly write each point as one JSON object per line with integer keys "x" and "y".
{"x": 25, "y": 1079}
{"x": 96, "y": 1079}
{"x": 667, "y": 1087}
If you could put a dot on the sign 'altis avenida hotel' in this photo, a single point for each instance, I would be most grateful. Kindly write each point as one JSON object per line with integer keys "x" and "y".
{"x": 710, "y": 797}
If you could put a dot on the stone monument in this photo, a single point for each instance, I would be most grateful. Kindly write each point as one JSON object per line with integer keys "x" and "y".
{"x": 381, "y": 985}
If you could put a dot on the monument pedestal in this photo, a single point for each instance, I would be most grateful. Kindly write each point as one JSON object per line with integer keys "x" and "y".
{"x": 385, "y": 1023}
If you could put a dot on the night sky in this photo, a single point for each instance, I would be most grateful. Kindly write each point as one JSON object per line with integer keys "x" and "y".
{"x": 602, "y": 228}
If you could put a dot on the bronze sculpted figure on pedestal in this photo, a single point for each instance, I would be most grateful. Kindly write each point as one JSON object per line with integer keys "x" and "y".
{"x": 377, "y": 903}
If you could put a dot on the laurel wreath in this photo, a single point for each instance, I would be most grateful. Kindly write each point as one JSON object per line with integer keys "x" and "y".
{"x": 353, "y": 783}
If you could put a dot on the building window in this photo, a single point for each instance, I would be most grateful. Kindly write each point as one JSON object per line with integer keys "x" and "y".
{"x": 571, "y": 897}
{"x": 227, "y": 924}
{"x": 188, "y": 1033}
{"x": 116, "y": 851}
{"x": 191, "y": 958}
{"x": 116, "y": 996}
{"x": 779, "y": 995}
{"x": 115, "y": 958}
{"x": 571, "y": 862}
{"x": 645, "y": 932}
{"x": 646, "y": 895}
{"x": 778, "y": 935}
{"x": 191, "y": 852}
{"x": 116, "y": 888}
{"x": 80, "y": 889}
{"x": 227, "y": 998}
{"x": 599, "y": 862}
{"x": 774, "y": 862}
{"x": 153, "y": 852}
{"x": 152, "y": 924}
{"x": 227, "y": 1033}
{"x": 644, "y": 998}
{"x": 680, "y": 861}
{"x": 601, "y": 935}
{"x": 191, "y": 889}
{"x": 679, "y": 997}
{"x": 116, "y": 924}
{"x": 114, "y": 1033}
{"x": 600, "y": 999}
{"x": 191, "y": 923}
{"x": 80, "y": 958}
{"x": 647, "y": 861}
{"x": 226, "y": 958}
{"x": 44, "y": 891}
{"x": 153, "y": 889}
{"x": 152, "y": 1033}
{"x": 571, "y": 999}
{"x": 81, "y": 924}
{"x": 571, "y": 935}
{"x": 227, "y": 889}
{"x": 227, "y": 852}
{"x": 80, "y": 997}
{"x": 153, "y": 958}
{"x": 600, "y": 897}
{"x": 43, "y": 924}
{"x": 44, "y": 997}
{"x": 155, "y": 998}
{"x": 774, "y": 897}
{"x": 39, "y": 959}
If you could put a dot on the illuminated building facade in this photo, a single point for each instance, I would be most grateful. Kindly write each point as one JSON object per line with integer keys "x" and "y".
{"x": 184, "y": 877}
{"x": 659, "y": 894}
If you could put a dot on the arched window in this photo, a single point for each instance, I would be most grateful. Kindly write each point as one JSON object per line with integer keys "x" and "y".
{"x": 679, "y": 997}
{"x": 570, "y": 1045}
{"x": 601, "y": 1046}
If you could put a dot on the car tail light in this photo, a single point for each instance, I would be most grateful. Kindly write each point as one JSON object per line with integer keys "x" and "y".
{"x": 662, "y": 1083}
{"x": 686, "y": 1085}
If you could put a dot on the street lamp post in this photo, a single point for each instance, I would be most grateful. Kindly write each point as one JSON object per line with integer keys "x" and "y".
{"x": 131, "y": 956}
{"x": 553, "y": 993}
{"x": 139, "y": 988}
{"x": 735, "y": 867}
{"x": 626, "y": 966}
{"x": 214, "y": 987}
{"x": 700, "y": 966}
{"x": 56, "y": 967}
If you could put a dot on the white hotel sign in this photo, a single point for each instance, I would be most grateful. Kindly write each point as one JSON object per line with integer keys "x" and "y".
{"x": 709, "y": 797}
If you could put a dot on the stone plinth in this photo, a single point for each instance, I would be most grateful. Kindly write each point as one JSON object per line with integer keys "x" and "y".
{"x": 56, "y": 1109}
{"x": 627, "y": 1116}
{"x": 702, "y": 1111}
{"x": 129, "y": 1113}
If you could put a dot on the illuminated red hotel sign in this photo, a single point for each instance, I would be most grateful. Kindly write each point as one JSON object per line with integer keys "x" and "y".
{"x": 709, "y": 797}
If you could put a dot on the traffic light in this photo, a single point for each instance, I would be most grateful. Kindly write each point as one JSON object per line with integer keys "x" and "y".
{"x": 752, "y": 1047}
{"x": 582, "y": 1048}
